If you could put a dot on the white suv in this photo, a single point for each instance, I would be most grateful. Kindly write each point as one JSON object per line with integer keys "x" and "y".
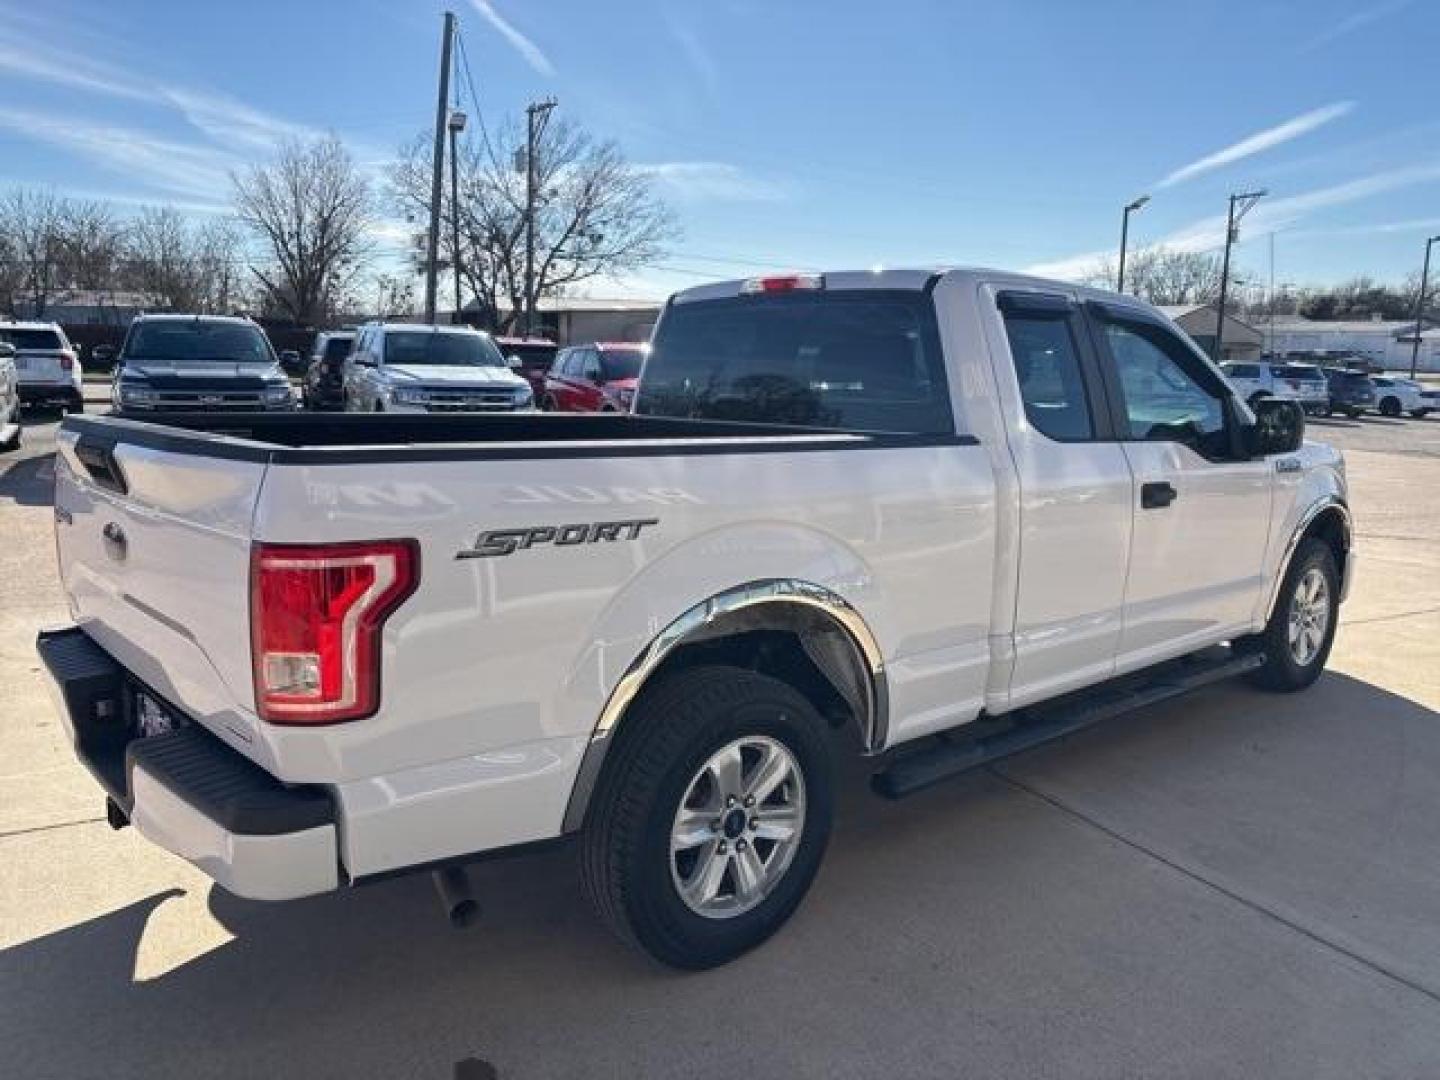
{"x": 46, "y": 366}
{"x": 1304, "y": 383}
{"x": 9, "y": 399}
{"x": 408, "y": 367}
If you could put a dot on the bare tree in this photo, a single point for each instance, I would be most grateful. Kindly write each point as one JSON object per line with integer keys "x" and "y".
{"x": 164, "y": 259}
{"x": 596, "y": 214}
{"x": 220, "y": 258}
{"x": 92, "y": 244}
{"x": 311, "y": 210}
{"x": 1162, "y": 276}
{"x": 30, "y": 222}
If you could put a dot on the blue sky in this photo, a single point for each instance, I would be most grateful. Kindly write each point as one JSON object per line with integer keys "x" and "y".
{"x": 799, "y": 134}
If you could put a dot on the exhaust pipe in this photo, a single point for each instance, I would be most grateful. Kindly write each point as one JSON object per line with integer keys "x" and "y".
{"x": 453, "y": 885}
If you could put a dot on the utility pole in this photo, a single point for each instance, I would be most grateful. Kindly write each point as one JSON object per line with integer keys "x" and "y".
{"x": 432, "y": 263}
{"x": 1420, "y": 307}
{"x": 1130, "y": 208}
{"x": 533, "y": 129}
{"x": 1245, "y": 200}
{"x": 456, "y": 124}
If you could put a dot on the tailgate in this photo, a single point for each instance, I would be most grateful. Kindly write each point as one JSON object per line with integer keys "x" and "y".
{"x": 154, "y": 552}
{"x": 41, "y": 366}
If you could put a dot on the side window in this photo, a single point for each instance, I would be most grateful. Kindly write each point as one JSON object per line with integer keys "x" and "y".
{"x": 590, "y": 365}
{"x": 1047, "y": 366}
{"x": 1167, "y": 399}
{"x": 557, "y": 366}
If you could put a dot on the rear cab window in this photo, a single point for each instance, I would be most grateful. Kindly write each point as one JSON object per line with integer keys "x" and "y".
{"x": 857, "y": 360}
{"x": 32, "y": 340}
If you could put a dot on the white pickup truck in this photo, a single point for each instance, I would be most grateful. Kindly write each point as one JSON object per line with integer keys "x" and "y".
{"x": 933, "y": 517}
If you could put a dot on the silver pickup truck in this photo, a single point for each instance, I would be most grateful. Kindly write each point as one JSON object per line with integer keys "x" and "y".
{"x": 929, "y": 517}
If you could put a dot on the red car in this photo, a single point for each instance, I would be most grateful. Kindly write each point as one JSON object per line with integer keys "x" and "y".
{"x": 535, "y": 355}
{"x": 594, "y": 378}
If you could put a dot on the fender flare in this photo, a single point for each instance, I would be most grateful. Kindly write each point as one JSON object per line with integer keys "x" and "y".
{"x": 1330, "y": 504}
{"x": 701, "y": 621}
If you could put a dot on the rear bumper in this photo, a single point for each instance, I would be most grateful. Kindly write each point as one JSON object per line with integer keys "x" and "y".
{"x": 185, "y": 790}
{"x": 31, "y": 393}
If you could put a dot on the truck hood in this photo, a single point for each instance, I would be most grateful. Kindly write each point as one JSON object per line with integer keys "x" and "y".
{"x": 233, "y": 375}
{"x": 452, "y": 375}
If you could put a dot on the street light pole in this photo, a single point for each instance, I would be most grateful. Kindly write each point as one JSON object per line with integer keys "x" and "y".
{"x": 1420, "y": 306}
{"x": 456, "y": 124}
{"x": 1130, "y": 208}
{"x": 432, "y": 262}
{"x": 1245, "y": 200}
{"x": 540, "y": 109}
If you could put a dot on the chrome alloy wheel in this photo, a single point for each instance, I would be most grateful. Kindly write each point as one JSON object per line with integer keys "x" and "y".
{"x": 738, "y": 827}
{"x": 1309, "y": 616}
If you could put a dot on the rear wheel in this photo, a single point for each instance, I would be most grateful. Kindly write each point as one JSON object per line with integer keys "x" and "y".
{"x": 1419, "y": 414}
{"x": 1390, "y": 406}
{"x": 711, "y": 820}
{"x": 1297, "y": 639}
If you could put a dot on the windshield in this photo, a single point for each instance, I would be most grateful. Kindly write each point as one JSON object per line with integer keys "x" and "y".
{"x": 533, "y": 355}
{"x": 195, "y": 341}
{"x": 24, "y": 340}
{"x": 864, "y": 360}
{"x": 620, "y": 364}
{"x": 444, "y": 350}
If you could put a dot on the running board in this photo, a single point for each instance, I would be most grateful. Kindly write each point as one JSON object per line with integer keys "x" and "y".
{"x": 993, "y": 738}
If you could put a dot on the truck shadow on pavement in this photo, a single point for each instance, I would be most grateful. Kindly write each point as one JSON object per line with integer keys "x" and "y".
{"x": 1054, "y": 915}
{"x": 29, "y": 481}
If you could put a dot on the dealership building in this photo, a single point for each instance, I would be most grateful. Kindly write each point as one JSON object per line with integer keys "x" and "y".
{"x": 1386, "y": 344}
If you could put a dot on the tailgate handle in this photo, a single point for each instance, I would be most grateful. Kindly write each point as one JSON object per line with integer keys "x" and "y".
{"x": 100, "y": 463}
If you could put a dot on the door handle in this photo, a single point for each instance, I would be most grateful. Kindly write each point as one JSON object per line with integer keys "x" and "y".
{"x": 1157, "y": 496}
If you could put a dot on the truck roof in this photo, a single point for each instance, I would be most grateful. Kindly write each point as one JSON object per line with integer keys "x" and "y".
{"x": 903, "y": 278}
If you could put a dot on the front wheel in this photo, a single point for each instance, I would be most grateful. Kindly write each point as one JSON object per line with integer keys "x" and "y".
{"x": 1390, "y": 407}
{"x": 1419, "y": 414}
{"x": 712, "y": 817}
{"x": 1297, "y": 639}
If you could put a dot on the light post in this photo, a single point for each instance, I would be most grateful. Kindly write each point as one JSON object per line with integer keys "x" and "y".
{"x": 1246, "y": 200}
{"x": 437, "y": 165}
{"x": 1420, "y": 306}
{"x": 1130, "y": 208}
{"x": 540, "y": 109}
{"x": 456, "y": 124}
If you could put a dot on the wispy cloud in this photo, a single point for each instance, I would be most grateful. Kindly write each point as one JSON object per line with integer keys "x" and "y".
{"x": 518, "y": 41}
{"x": 712, "y": 181}
{"x": 1350, "y": 23}
{"x": 1260, "y": 141}
{"x": 184, "y": 168}
{"x": 693, "y": 49}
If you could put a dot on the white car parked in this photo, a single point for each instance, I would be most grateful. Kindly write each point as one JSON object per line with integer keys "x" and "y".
{"x": 1395, "y": 396}
{"x": 405, "y": 367}
{"x": 1304, "y": 383}
{"x": 45, "y": 364}
{"x": 9, "y": 399}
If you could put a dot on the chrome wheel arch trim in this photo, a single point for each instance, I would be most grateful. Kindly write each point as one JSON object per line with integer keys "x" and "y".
{"x": 1326, "y": 505}
{"x": 692, "y": 626}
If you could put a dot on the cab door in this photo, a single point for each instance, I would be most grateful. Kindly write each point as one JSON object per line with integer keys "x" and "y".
{"x": 1075, "y": 496}
{"x": 1201, "y": 505}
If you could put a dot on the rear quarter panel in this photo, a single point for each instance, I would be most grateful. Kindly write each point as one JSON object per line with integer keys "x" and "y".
{"x": 508, "y": 661}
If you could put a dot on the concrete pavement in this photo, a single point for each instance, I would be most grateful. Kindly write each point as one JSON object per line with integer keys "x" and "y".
{"x": 1233, "y": 885}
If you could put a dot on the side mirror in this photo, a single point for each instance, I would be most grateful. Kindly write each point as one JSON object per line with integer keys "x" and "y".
{"x": 1279, "y": 428}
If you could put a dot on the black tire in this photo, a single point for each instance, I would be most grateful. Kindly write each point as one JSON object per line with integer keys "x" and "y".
{"x": 1390, "y": 406}
{"x": 1327, "y": 410}
{"x": 1419, "y": 414}
{"x": 1282, "y": 671}
{"x": 547, "y": 404}
{"x": 1259, "y": 395}
{"x": 668, "y": 734}
{"x": 75, "y": 404}
{"x": 1353, "y": 414}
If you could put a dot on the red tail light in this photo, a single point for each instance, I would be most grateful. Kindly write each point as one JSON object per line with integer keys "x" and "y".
{"x": 67, "y": 361}
{"x": 783, "y": 283}
{"x": 316, "y": 612}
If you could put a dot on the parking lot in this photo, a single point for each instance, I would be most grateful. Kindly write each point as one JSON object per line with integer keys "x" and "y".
{"x": 1233, "y": 885}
